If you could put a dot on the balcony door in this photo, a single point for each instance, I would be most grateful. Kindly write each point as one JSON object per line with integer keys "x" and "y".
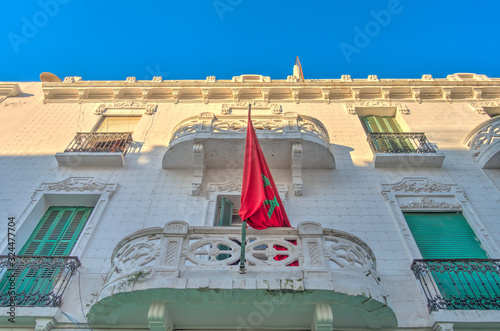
{"x": 446, "y": 238}
{"x": 55, "y": 235}
{"x": 389, "y": 125}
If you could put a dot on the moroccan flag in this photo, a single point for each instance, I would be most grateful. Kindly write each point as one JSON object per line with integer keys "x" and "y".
{"x": 261, "y": 205}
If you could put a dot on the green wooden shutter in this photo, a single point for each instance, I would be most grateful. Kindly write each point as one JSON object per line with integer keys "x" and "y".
{"x": 226, "y": 212}
{"x": 449, "y": 236}
{"x": 444, "y": 235}
{"x": 381, "y": 124}
{"x": 225, "y": 219}
{"x": 57, "y": 231}
{"x": 55, "y": 235}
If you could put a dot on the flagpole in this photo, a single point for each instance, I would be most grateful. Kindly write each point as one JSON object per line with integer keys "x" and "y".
{"x": 243, "y": 244}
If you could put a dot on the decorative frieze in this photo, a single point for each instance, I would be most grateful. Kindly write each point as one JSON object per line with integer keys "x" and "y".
{"x": 350, "y": 108}
{"x": 149, "y": 108}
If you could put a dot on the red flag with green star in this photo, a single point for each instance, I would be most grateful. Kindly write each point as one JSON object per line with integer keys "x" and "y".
{"x": 261, "y": 205}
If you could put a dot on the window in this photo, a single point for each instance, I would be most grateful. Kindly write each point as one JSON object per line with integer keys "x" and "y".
{"x": 228, "y": 211}
{"x": 444, "y": 236}
{"x": 54, "y": 236}
{"x": 453, "y": 255}
{"x": 117, "y": 124}
{"x": 375, "y": 126}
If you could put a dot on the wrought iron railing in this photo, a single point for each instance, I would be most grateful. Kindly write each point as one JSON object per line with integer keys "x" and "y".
{"x": 401, "y": 142}
{"x": 35, "y": 280}
{"x": 100, "y": 142}
{"x": 459, "y": 284}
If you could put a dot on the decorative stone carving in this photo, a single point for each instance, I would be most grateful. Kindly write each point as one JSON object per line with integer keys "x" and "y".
{"x": 297, "y": 157}
{"x": 157, "y": 79}
{"x": 427, "y": 77}
{"x": 199, "y": 168}
{"x": 415, "y": 92}
{"x": 428, "y": 203}
{"x": 477, "y": 93}
{"x": 210, "y": 79}
{"x": 435, "y": 196}
{"x": 149, "y": 108}
{"x": 135, "y": 258}
{"x": 130, "y": 80}
{"x": 274, "y": 108}
{"x": 117, "y": 94}
{"x": 479, "y": 106}
{"x": 82, "y": 94}
{"x": 295, "y": 95}
{"x": 386, "y": 93}
{"x": 419, "y": 185}
{"x": 488, "y": 135}
{"x": 373, "y": 78}
{"x": 233, "y": 185}
{"x": 323, "y": 318}
{"x": 146, "y": 92}
{"x": 175, "y": 94}
{"x": 326, "y": 95}
{"x": 351, "y": 107}
{"x": 206, "y": 93}
{"x": 346, "y": 78}
{"x": 447, "y": 94}
{"x": 356, "y": 93}
{"x": 236, "y": 94}
{"x": 265, "y": 94}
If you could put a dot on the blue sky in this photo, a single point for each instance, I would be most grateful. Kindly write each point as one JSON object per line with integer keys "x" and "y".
{"x": 187, "y": 39}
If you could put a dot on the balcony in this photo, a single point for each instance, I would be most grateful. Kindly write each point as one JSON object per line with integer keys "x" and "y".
{"x": 403, "y": 148}
{"x": 459, "y": 284}
{"x": 484, "y": 143}
{"x": 35, "y": 281}
{"x": 96, "y": 149}
{"x": 184, "y": 269}
{"x": 288, "y": 141}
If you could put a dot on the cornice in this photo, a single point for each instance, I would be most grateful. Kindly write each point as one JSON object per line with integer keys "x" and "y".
{"x": 453, "y": 88}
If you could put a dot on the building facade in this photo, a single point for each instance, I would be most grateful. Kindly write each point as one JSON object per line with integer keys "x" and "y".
{"x": 120, "y": 200}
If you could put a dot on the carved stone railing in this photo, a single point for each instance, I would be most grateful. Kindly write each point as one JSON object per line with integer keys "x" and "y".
{"x": 459, "y": 284}
{"x": 308, "y": 257}
{"x": 483, "y": 142}
{"x": 401, "y": 142}
{"x": 100, "y": 142}
{"x": 35, "y": 280}
{"x": 285, "y": 124}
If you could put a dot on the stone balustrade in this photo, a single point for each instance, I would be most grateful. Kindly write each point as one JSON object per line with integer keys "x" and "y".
{"x": 180, "y": 256}
{"x": 286, "y": 124}
{"x": 483, "y": 142}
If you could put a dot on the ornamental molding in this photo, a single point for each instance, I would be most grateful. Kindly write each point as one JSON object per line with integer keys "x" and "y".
{"x": 478, "y": 107}
{"x": 428, "y": 203}
{"x": 234, "y": 186}
{"x": 76, "y": 185}
{"x": 149, "y": 108}
{"x": 274, "y": 108}
{"x": 76, "y": 190}
{"x": 421, "y": 193}
{"x": 350, "y": 108}
{"x": 418, "y": 185}
{"x": 483, "y": 142}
